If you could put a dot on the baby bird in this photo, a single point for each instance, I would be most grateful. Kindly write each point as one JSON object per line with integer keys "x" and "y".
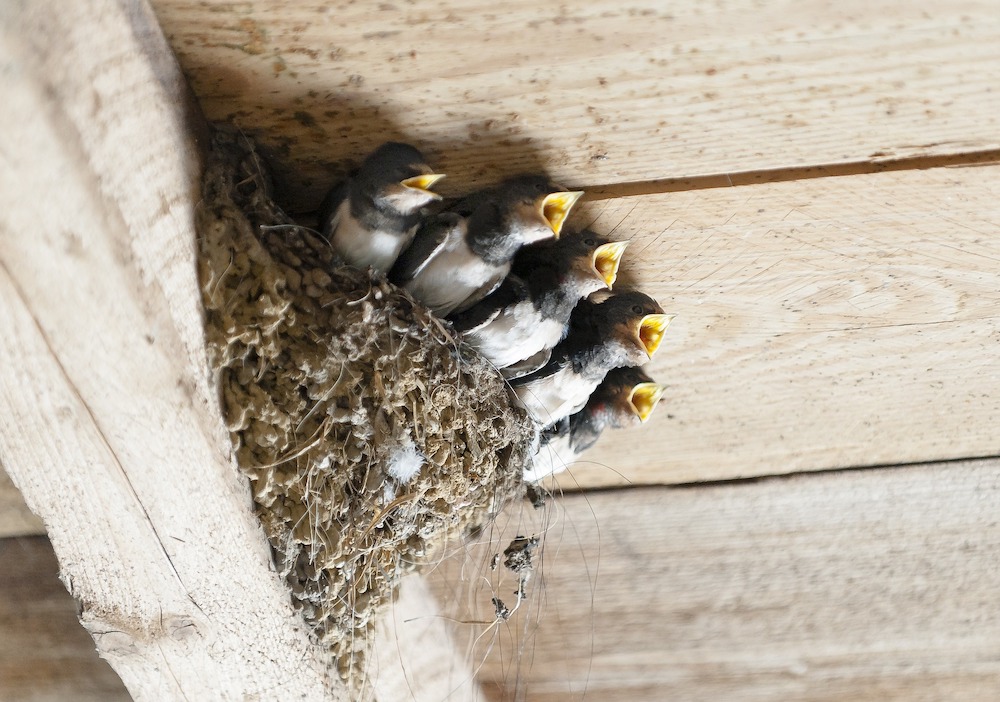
{"x": 626, "y": 396}
{"x": 460, "y": 256}
{"x": 624, "y": 330}
{"x": 517, "y": 326}
{"x": 373, "y": 215}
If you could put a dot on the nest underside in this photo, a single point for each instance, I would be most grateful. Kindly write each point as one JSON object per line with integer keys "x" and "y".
{"x": 335, "y": 385}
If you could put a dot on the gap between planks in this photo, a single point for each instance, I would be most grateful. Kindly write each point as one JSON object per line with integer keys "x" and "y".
{"x": 782, "y": 175}
{"x": 842, "y": 587}
{"x": 585, "y": 490}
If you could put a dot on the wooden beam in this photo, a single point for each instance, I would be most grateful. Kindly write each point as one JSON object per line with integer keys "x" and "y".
{"x": 875, "y": 584}
{"x": 597, "y": 92}
{"x": 822, "y": 324}
{"x": 45, "y": 656}
{"x": 112, "y": 428}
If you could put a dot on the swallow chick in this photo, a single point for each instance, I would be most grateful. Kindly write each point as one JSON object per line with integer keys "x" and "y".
{"x": 624, "y": 330}
{"x": 626, "y": 396}
{"x": 460, "y": 256}
{"x": 373, "y": 215}
{"x": 517, "y": 326}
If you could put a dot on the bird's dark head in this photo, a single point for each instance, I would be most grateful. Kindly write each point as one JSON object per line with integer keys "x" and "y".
{"x": 635, "y": 317}
{"x": 594, "y": 258}
{"x": 396, "y": 176}
{"x": 535, "y": 206}
{"x": 587, "y": 260}
{"x": 627, "y": 396}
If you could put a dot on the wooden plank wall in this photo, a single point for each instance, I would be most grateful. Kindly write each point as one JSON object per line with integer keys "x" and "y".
{"x": 813, "y": 187}
{"x": 822, "y": 323}
{"x": 875, "y": 584}
{"x": 45, "y": 655}
{"x": 858, "y": 585}
{"x": 600, "y": 92}
{"x": 836, "y": 305}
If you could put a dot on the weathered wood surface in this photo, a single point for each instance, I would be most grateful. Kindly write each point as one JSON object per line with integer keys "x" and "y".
{"x": 821, "y": 324}
{"x": 847, "y": 315}
{"x": 853, "y": 585}
{"x": 415, "y": 657}
{"x": 45, "y": 655}
{"x": 875, "y": 584}
{"x": 111, "y": 429}
{"x": 598, "y": 92}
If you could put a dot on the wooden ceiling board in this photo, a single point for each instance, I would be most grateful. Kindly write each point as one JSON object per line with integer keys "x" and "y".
{"x": 595, "y": 92}
{"x": 874, "y": 584}
{"x": 822, "y": 323}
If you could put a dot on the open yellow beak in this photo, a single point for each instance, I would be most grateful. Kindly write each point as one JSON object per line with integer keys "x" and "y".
{"x": 644, "y": 397}
{"x": 556, "y": 207}
{"x": 607, "y": 257}
{"x": 423, "y": 182}
{"x": 651, "y": 330}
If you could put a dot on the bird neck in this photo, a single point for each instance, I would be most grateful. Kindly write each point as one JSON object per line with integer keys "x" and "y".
{"x": 380, "y": 213}
{"x": 593, "y": 355}
{"x": 603, "y": 348}
{"x": 493, "y": 244}
{"x": 556, "y": 292}
{"x": 585, "y": 428}
{"x": 580, "y": 284}
{"x": 614, "y": 413}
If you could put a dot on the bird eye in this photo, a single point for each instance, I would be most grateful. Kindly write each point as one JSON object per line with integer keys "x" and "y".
{"x": 637, "y": 309}
{"x": 590, "y": 241}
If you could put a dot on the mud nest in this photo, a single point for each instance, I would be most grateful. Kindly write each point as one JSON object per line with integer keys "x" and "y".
{"x": 371, "y": 436}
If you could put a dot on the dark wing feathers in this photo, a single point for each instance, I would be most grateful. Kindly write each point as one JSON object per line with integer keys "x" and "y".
{"x": 484, "y": 291}
{"x": 573, "y": 349}
{"x": 584, "y": 430}
{"x": 555, "y": 431}
{"x": 528, "y": 365}
{"x": 511, "y": 290}
{"x": 554, "y": 365}
{"x": 331, "y": 202}
{"x": 430, "y": 238}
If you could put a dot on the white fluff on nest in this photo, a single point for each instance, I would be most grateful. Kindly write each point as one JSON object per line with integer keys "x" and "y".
{"x": 404, "y": 461}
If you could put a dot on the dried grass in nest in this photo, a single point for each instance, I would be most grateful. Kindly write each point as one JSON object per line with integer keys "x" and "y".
{"x": 326, "y": 374}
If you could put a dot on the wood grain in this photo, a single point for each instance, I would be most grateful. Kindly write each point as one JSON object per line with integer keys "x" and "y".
{"x": 821, "y": 324}
{"x": 597, "y": 92}
{"x": 875, "y": 584}
{"x": 112, "y": 429}
{"x": 415, "y": 657}
{"x": 45, "y": 655}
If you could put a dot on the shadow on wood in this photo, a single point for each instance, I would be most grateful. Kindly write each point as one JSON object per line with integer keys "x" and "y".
{"x": 45, "y": 655}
